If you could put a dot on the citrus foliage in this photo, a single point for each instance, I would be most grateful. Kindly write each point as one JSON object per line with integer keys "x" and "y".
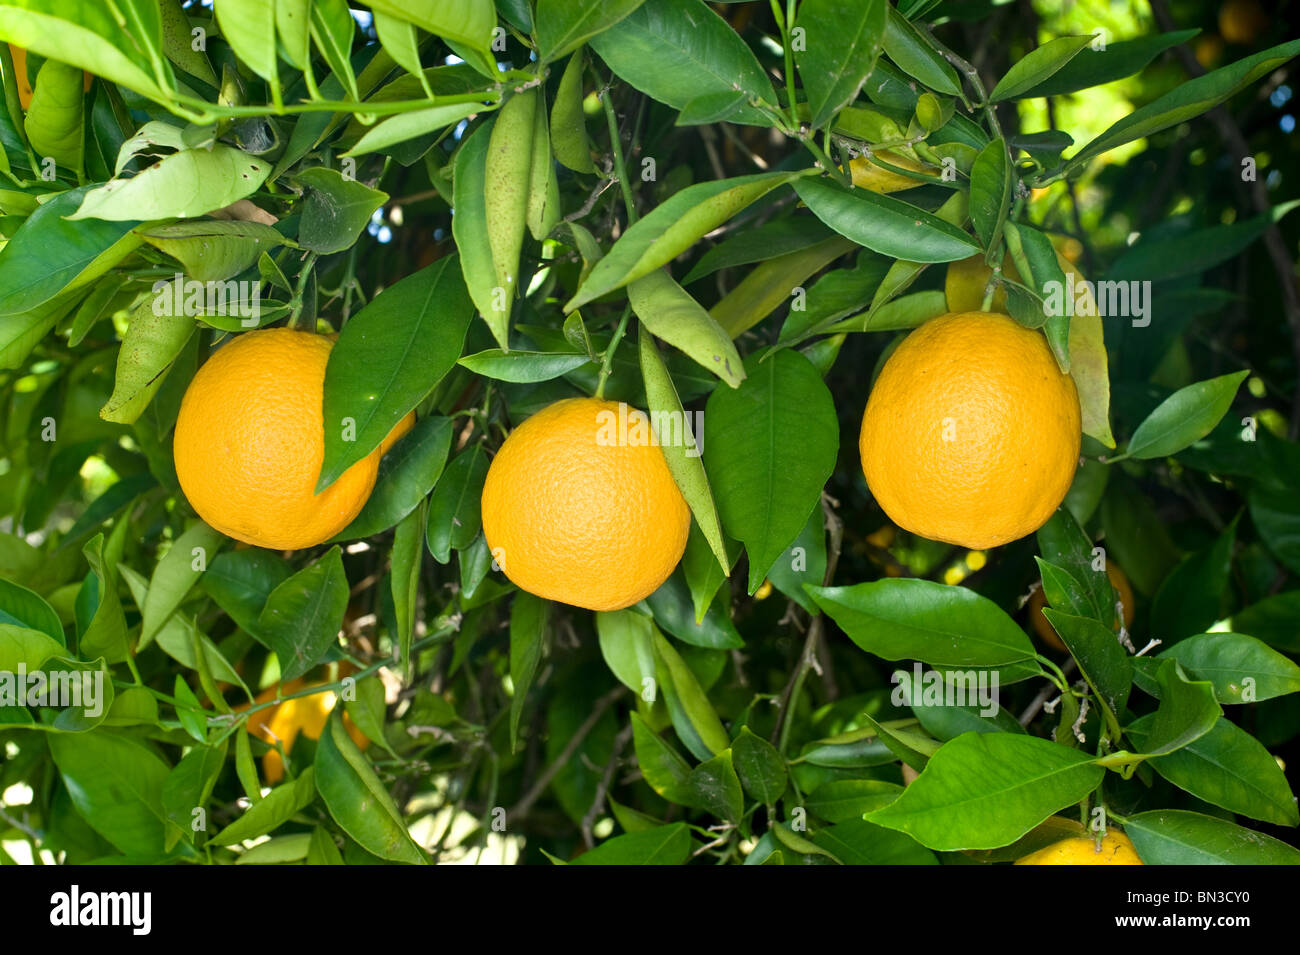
{"x": 727, "y": 215}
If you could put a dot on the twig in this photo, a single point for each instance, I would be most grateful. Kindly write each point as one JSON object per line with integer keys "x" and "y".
{"x": 1032, "y": 709}
{"x": 602, "y": 788}
{"x": 539, "y": 786}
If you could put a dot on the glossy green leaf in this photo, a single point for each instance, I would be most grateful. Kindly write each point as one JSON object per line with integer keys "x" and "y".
{"x": 303, "y": 615}
{"x": 883, "y": 224}
{"x": 331, "y": 29}
{"x": 760, "y": 766}
{"x": 462, "y": 21}
{"x": 523, "y": 367}
{"x": 984, "y": 790}
{"x": 336, "y": 210}
{"x": 176, "y": 573}
{"x": 212, "y": 251}
{"x": 1178, "y": 837}
{"x": 1187, "y": 415}
{"x": 915, "y": 57}
{"x": 528, "y": 620}
{"x": 1188, "y": 710}
{"x": 152, "y": 342}
{"x": 859, "y": 842}
{"x": 55, "y": 121}
{"x": 903, "y": 619}
{"x": 185, "y": 184}
{"x": 1096, "y": 67}
{"x": 664, "y": 845}
{"x": 563, "y": 25}
{"x": 358, "y": 801}
{"x": 669, "y": 312}
{"x": 694, "y": 717}
{"x": 841, "y": 800}
{"x": 766, "y": 484}
{"x": 275, "y": 809}
{"x": 841, "y": 44}
{"x": 390, "y": 355}
{"x": 678, "y": 50}
{"x": 249, "y": 27}
{"x": 454, "y": 515}
{"x": 407, "y": 473}
{"x": 469, "y": 227}
{"x": 1038, "y": 66}
{"x": 672, "y": 228}
{"x": 116, "y": 783}
{"x": 662, "y": 767}
{"x": 568, "y": 122}
{"x": 990, "y": 191}
{"x": 1272, "y": 620}
{"x": 715, "y": 787}
{"x": 410, "y": 125}
{"x": 23, "y": 608}
{"x": 758, "y": 243}
{"x": 1241, "y": 668}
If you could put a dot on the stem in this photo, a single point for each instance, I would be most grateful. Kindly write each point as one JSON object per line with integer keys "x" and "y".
{"x": 307, "y": 266}
{"x": 210, "y": 111}
{"x": 607, "y": 363}
{"x": 616, "y": 146}
{"x": 785, "y": 22}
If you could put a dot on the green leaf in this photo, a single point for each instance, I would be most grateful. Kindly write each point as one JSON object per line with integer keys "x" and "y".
{"x": 662, "y": 767}
{"x": 669, "y": 312}
{"x": 1276, "y": 516}
{"x": 672, "y": 228}
{"x": 841, "y": 44}
{"x": 249, "y": 28}
{"x": 906, "y": 619}
{"x": 23, "y": 608}
{"x": 672, "y": 604}
{"x": 303, "y": 615}
{"x": 664, "y": 845}
{"x": 175, "y": 575}
{"x": 190, "y": 783}
{"x": 1038, "y": 66}
{"x": 760, "y": 766}
{"x": 1186, "y": 416}
{"x": 984, "y": 790}
{"x": 694, "y": 717}
{"x": 523, "y": 367}
{"x": 859, "y": 842}
{"x": 917, "y": 58}
{"x": 715, "y": 788}
{"x": 275, "y": 809}
{"x": 241, "y": 581}
{"x": 1272, "y": 620}
{"x": 803, "y": 562}
{"x": 934, "y": 701}
{"x": 770, "y": 285}
{"x": 528, "y": 620}
{"x": 389, "y": 356}
{"x": 462, "y": 21}
{"x": 1178, "y": 837}
{"x": 454, "y": 515}
{"x": 358, "y": 801}
{"x": 1102, "y": 661}
{"x": 883, "y": 224}
{"x": 336, "y": 210}
{"x": 677, "y": 50}
{"x": 186, "y": 184}
{"x": 990, "y": 191}
{"x": 55, "y": 121}
{"x": 407, "y": 473}
{"x": 1226, "y": 767}
{"x": 49, "y": 254}
{"x": 322, "y": 850}
{"x": 332, "y": 27}
{"x": 1194, "y": 251}
{"x": 116, "y": 783}
{"x": 152, "y": 343}
{"x": 1189, "y": 600}
{"x": 178, "y": 43}
{"x": 563, "y": 25}
{"x": 1188, "y": 710}
{"x": 1097, "y": 67}
{"x": 841, "y": 800}
{"x": 410, "y": 125}
{"x": 680, "y": 446}
{"x": 91, "y": 36}
{"x": 767, "y": 484}
{"x": 104, "y": 634}
{"x": 758, "y": 243}
{"x": 212, "y": 251}
{"x": 628, "y": 649}
{"x": 469, "y": 228}
{"x": 568, "y": 122}
{"x": 1186, "y": 100}
{"x": 1063, "y": 543}
{"x": 1241, "y": 668}
{"x": 21, "y": 646}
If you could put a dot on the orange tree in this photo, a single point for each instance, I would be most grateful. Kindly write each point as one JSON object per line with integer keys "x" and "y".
{"x": 311, "y": 274}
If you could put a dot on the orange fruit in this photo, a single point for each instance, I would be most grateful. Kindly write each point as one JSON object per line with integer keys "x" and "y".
{"x": 305, "y": 715}
{"x": 579, "y": 506}
{"x": 1242, "y": 21}
{"x": 1049, "y": 636}
{"x": 1115, "y": 849}
{"x": 971, "y": 433}
{"x": 250, "y": 440}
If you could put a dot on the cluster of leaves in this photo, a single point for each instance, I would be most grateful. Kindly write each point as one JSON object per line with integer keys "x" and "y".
{"x": 259, "y": 141}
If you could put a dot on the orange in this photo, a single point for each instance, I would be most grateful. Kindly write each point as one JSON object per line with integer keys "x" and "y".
{"x": 579, "y": 506}
{"x": 282, "y": 723}
{"x": 1049, "y": 635}
{"x": 971, "y": 434}
{"x": 250, "y": 440}
{"x": 1115, "y": 849}
{"x": 1242, "y": 21}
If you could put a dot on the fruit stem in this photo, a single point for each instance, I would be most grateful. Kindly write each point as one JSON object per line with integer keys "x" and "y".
{"x": 616, "y": 146}
{"x": 607, "y": 363}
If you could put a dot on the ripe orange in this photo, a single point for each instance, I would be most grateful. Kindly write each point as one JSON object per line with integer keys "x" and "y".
{"x": 971, "y": 434}
{"x": 250, "y": 440}
{"x": 1044, "y": 629}
{"x": 306, "y": 715}
{"x": 1116, "y": 849}
{"x": 579, "y": 506}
